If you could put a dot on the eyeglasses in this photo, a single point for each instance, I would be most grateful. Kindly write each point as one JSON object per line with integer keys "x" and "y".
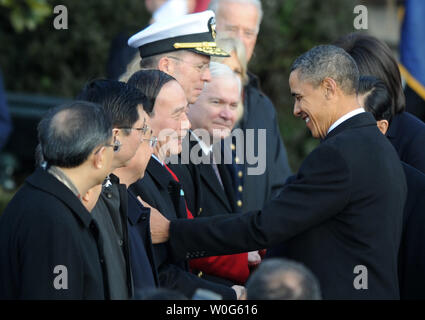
{"x": 152, "y": 141}
{"x": 142, "y": 129}
{"x": 116, "y": 147}
{"x": 200, "y": 67}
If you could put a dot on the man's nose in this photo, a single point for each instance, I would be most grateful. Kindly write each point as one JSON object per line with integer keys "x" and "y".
{"x": 226, "y": 114}
{"x": 206, "y": 75}
{"x": 185, "y": 123}
{"x": 297, "y": 110}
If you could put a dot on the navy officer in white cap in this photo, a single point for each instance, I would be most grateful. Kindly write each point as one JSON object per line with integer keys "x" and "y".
{"x": 182, "y": 48}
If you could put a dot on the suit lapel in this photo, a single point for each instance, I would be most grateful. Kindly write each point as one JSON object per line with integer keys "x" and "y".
{"x": 208, "y": 175}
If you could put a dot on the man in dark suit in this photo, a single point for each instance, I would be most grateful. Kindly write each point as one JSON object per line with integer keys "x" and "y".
{"x": 50, "y": 246}
{"x": 342, "y": 214}
{"x": 242, "y": 20}
{"x": 159, "y": 188}
{"x": 212, "y": 118}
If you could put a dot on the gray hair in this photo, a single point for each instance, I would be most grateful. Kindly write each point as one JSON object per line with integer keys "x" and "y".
{"x": 230, "y": 44}
{"x": 328, "y": 61}
{"x": 282, "y": 279}
{"x": 68, "y": 134}
{"x": 220, "y": 70}
{"x": 214, "y": 5}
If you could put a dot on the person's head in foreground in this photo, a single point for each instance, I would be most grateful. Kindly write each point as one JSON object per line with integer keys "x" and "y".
{"x": 281, "y": 279}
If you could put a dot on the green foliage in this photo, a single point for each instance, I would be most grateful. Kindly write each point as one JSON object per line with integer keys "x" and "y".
{"x": 59, "y": 62}
{"x": 26, "y": 15}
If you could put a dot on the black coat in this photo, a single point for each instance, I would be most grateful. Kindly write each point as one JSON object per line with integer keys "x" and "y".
{"x": 44, "y": 226}
{"x": 343, "y": 209}
{"x": 203, "y": 192}
{"x": 161, "y": 191}
{"x": 260, "y": 113}
{"x": 142, "y": 258}
{"x": 412, "y": 249}
{"x": 407, "y": 134}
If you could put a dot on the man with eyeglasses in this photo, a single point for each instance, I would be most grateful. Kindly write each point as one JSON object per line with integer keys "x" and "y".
{"x": 241, "y": 19}
{"x": 181, "y": 48}
{"x": 126, "y": 107}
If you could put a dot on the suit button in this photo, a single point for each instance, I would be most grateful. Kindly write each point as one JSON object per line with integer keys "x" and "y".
{"x": 102, "y": 261}
{"x": 239, "y": 203}
{"x": 240, "y": 188}
{"x": 120, "y": 242}
{"x": 143, "y": 218}
{"x": 240, "y": 174}
{"x": 109, "y": 195}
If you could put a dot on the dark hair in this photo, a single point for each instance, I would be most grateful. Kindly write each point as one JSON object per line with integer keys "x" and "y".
{"x": 328, "y": 61}
{"x": 374, "y": 57}
{"x": 68, "y": 134}
{"x": 118, "y": 99}
{"x": 150, "y": 83}
{"x": 377, "y": 98}
{"x": 282, "y": 279}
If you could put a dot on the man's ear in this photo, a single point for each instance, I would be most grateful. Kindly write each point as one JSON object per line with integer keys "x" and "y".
{"x": 98, "y": 158}
{"x": 382, "y": 125}
{"x": 165, "y": 65}
{"x": 329, "y": 87}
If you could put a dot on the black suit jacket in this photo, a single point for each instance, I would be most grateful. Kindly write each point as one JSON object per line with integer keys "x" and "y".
{"x": 44, "y": 226}
{"x": 407, "y": 134}
{"x": 344, "y": 209}
{"x": 260, "y": 113}
{"x": 203, "y": 192}
{"x": 412, "y": 249}
{"x": 161, "y": 191}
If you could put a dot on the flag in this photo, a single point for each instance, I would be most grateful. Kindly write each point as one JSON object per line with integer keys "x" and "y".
{"x": 412, "y": 46}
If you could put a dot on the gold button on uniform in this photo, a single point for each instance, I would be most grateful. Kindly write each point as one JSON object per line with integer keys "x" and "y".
{"x": 240, "y": 189}
{"x": 240, "y": 174}
{"x": 236, "y": 159}
{"x": 239, "y": 203}
{"x": 233, "y": 146}
{"x": 200, "y": 274}
{"x": 200, "y": 210}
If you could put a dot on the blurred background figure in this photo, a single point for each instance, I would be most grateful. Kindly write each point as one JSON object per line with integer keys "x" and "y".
{"x": 241, "y": 19}
{"x": 6, "y": 162}
{"x": 5, "y": 122}
{"x": 282, "y": 279}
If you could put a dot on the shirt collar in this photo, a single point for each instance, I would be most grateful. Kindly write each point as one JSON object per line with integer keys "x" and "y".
{"x": 345, "y": 117}
{"x": 206, "y": 149}
{"x": 157, "y": 159}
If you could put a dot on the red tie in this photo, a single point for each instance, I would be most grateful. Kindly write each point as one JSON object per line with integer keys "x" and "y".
{"x": 189, "y": 214}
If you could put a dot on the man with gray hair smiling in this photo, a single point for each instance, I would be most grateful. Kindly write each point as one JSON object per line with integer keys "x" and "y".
{"x": 341, "y": 215}
{"x": 49, "y": 243}
{"x": 241, "y": 19}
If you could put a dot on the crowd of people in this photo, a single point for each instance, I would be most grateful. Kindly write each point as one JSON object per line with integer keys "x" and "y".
{"x": 174, "y": 181}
